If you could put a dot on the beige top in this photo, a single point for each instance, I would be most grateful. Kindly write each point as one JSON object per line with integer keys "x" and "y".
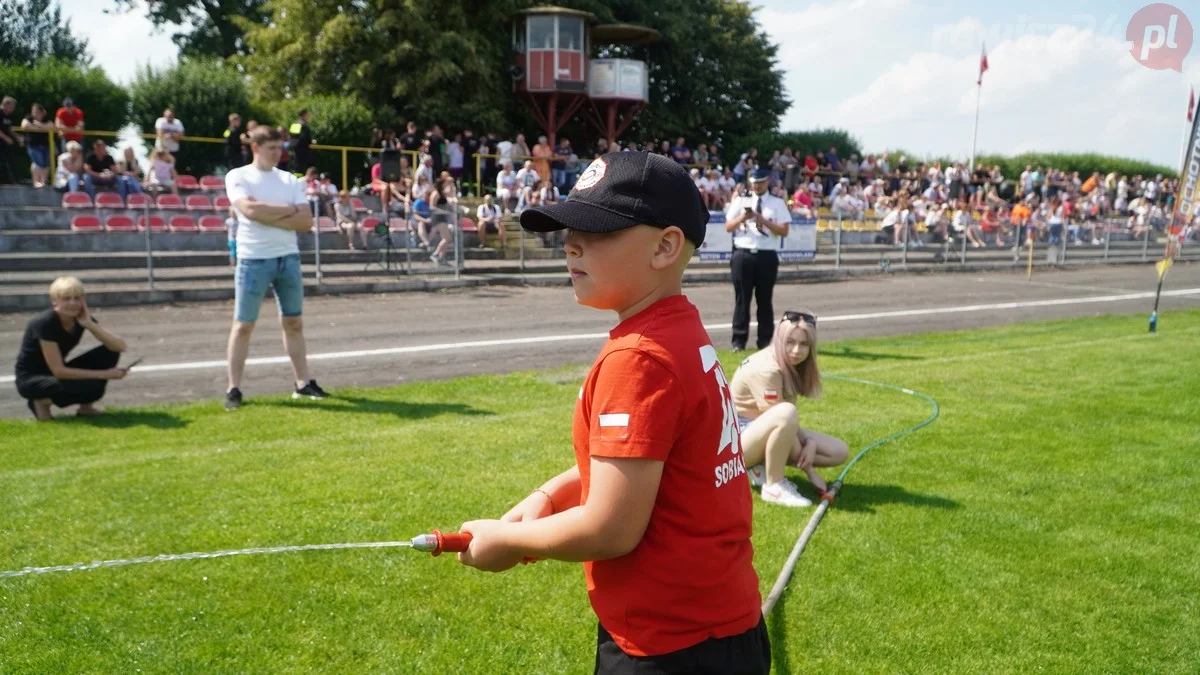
{"x": 757, "y": 384}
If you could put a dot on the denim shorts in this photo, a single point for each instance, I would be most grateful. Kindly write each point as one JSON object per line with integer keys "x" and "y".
{"x": 39, "y": 156}
{"x": 255, "y": 275}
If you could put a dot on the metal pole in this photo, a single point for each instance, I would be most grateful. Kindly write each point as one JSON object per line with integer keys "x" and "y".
{"x": 317, "y": 242}
{"x": 521, "y": 239}
{"x": 479, "y": 176}
{"x": 1029, "y": 269}
{"x": 458, "y": 252}
{"x": 904, "y": 252}
{"x": 975, "y": 134}
{"x": 1107, "y": 236}
{"x": 149, "y": 250}
{"x": 345, "y": 171}
{"x": 407, "y": 231}
{"x": 963, "y": 255}
{"x": 837, "y": 245}
{"x": 1145, "y": 242}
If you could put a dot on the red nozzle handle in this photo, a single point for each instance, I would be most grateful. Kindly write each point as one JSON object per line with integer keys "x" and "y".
{"x": 451, "y": 542}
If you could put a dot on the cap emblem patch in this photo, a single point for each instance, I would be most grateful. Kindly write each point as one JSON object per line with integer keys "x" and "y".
{"x": 591, "y": 175}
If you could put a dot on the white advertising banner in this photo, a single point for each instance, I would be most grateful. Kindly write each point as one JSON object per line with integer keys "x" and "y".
{"x": 799, "y": 244}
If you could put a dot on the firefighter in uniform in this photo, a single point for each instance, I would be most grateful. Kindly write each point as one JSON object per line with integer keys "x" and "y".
{"x": 758, "y": 221}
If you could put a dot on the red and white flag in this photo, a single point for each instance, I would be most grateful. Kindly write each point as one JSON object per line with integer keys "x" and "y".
{"x": 982, "y": 64}
{"x": 1191, "y": 103}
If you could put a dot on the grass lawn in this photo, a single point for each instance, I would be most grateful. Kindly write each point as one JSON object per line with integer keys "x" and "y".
{"x": 1048, "y": 521}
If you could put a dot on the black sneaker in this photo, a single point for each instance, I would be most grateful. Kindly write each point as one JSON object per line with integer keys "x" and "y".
{"x": 311, "y": 390}
{"x": 233, "y": 399}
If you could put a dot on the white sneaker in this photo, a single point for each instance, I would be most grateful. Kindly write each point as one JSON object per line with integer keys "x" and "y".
{"x": 784, "y": 493}
{"x": 757, "y": 474}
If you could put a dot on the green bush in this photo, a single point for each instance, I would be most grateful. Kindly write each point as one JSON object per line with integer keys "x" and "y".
{"x": 1084, "y": 163}
{"x": 105, "y": 105}
{"x": 803, "y": 143}
{"x": 202, "y": 93}
{"x": 334, "y": 120}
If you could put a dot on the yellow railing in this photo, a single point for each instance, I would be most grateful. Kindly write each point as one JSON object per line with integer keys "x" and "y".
{"x": 344, "y": 149}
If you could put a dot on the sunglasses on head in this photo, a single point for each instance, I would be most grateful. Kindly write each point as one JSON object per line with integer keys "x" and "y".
{"x": 797, "y": 317}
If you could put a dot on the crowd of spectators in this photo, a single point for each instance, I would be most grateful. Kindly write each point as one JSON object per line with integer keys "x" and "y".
{"x": 902, "y": 196}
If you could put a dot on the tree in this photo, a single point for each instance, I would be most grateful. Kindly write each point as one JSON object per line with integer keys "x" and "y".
{"x": 213, "y": 27}
{"x": 33, "y": 30}
{"x": 202, "y": 92}
{"x": 442, "y": 61}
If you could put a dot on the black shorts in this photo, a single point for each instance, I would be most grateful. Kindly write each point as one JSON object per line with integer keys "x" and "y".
{"x": 748, "y": 653}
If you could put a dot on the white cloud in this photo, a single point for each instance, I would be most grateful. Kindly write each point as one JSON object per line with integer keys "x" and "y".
{"x": 120, "y": 43}
{"x": 904, "y": 80}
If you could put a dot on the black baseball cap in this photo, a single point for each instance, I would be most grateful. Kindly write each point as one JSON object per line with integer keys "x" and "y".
{"x": 622, "y": 189}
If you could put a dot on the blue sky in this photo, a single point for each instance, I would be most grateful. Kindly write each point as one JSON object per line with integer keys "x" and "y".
{"x": 901, "y": 73}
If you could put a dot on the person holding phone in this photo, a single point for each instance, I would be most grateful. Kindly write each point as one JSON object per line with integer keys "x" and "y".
{"x": 759, "y": 221}
{"x": 44, "y": 377}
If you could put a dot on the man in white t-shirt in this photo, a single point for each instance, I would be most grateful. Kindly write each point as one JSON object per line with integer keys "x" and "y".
{"x": 271, "y": 207}
{"x": 489, "y": 215}
{"x": 169, "y": 130}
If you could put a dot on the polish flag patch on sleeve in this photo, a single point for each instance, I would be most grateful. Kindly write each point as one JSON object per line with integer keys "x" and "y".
{"x": 614, "y": 426}
{"x": 770, "y": 395}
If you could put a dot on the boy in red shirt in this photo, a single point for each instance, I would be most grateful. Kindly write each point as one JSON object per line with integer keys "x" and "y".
{"x": 658, "y": 505}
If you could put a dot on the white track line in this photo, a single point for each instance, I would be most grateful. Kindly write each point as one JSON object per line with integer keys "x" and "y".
{"x": 544, "y": 339}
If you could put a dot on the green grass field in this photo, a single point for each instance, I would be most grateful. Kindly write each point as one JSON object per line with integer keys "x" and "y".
{"x": 1048, "y": 521}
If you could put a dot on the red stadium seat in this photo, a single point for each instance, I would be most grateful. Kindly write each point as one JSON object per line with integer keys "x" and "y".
{"x": 212, "y": 183}
{"x": 138, "y": 201}
{"x": 170, "y": 202}
{"x": 186, "y": 182}
{"x": 182, "y": 224}
{"x": 109, "y": 200}
{"x": 157, "y": 224}
{"x": 76, "y": 200}
{"x": 358, "y": 205}
{"x": 326, "y": 224}
{"x": 119, "y": 224}
{"x": 369, "y": 224}
{"x": 397, "y": 225}
{"x": 212, "y": 224}
{"x": 221, "y": 203}
{"x": 198, "y": 203}
{"x": 468, "y": 225}
{"x": 82, "y": 223}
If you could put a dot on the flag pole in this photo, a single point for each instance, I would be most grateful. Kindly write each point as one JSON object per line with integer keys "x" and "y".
{"x": 1187, "y": 128}
{"x": 975, "y": 135}
{"x": 978, "y": 95}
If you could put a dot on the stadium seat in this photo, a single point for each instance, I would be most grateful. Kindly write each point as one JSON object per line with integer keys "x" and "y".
{"x": 212, "y": 224}
{"x": 221, "y": 203}
{"x": 76, "y": 200}
{"x": 84, "y": 223}
{"x": 212, "y": 183}
{"x": 170, "y": 202}
{"x": 468, "y": 225}
{"x": 182, "y": 224}
{"x": 138, "y": 200}
{"x": 397, "y": 225}
{"x": 326, "y": 224}
{"x": 369, "y": 224}
{"x": 186, "y": 182}
{"x": 358, "y": 205}
{"x": 198, "y": 203}
{"x": 118, "y": 223}
{"x": 109, "y": 200}
{"x": 157, "y": 224}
